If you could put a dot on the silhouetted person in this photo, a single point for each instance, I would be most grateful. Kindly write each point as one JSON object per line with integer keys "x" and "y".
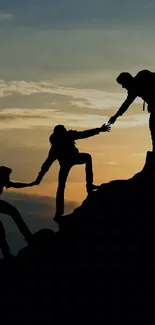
{"x": 64, "y": 150}
{"x": 142, "y": 85}
{"x": 10, "y": 210}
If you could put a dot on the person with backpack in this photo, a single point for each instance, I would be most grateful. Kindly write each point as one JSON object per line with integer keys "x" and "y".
{"x": 64, "y": 150}
{"x": 6, "y": 208}
{"x": 142, "y": 85}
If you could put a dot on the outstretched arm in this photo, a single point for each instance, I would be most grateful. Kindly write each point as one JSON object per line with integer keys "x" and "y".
{"x": 17, "y": 184}
{"x": 45, "y": 167}
{"x": 129, "y": 100}
{"x": 90, "y": 133}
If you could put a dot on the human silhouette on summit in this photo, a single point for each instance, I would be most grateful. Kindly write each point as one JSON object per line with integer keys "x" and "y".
{"x": 142, "y": 85}
{"x": 6, "y": 208}
{"x": 64, "y": 150}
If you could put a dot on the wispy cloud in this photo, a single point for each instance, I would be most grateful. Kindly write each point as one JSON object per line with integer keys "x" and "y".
{"x": 132, "y": 120}
{"x": 6, "y": 16}
{"x": 90, "y": 98}
{"x": 139, "y": 154}
{"x": 112, "y": 163}
{"x": 29, "y": 118}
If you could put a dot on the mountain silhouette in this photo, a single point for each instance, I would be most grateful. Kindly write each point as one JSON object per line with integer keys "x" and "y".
{"x": 100, "y": 266}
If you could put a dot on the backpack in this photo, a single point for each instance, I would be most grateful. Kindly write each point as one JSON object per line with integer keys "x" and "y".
{"x": 145, "y": 79}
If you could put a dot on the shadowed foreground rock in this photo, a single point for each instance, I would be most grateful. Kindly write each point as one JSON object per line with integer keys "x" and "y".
{"x": 100, "y": 266}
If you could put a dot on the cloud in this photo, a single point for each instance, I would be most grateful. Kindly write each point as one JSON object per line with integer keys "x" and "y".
{"x": 89, "y": 98}
{"x": 139, "y": 154}
{"x": 9, "y": 116}
{"x": 6, "y": 17}
{"x": 48, "y": 118}
{"x": 112, "y": 163}
{"x": 132, "y": 120}
{"x": 87, "y": 107}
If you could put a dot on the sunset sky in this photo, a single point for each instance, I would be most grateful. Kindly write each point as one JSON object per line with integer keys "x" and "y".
{"x": 59, "y": 60}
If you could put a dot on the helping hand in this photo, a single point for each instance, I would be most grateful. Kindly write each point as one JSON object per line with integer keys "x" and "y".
{"x": 105, "y": 128}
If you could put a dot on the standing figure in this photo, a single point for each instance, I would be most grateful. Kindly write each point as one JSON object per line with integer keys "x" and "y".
{"x": 64, "y": 150}
{"x": 142, "y": 85}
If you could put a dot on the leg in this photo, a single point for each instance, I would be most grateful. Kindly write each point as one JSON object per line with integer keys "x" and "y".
{"x": 63, "y": 173}
{"x": 85, "y": 158}
{"x": 152, "y": 129}
{"x": 9, "y": 209}
{"x": 3, "y": 243}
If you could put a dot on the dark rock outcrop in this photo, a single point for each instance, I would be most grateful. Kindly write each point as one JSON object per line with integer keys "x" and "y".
{"x": 100, "y": 266}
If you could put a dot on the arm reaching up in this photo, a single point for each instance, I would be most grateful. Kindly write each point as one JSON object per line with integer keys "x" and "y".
{"x": 129, "y": 100}
{"x": 17, "y": 184}
{"x": 89, "y": 133}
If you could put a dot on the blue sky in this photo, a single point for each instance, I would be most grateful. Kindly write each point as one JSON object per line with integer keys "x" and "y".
{"x": 82, "y": 12}
{"x": 75, "y": 41}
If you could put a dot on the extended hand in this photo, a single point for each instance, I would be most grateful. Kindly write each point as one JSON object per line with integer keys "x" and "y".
{"x": 112, "y": 119}
{"x": 105, "y": 128}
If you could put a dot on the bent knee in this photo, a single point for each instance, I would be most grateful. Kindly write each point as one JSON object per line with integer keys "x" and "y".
{"x": 88, "y": 157}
